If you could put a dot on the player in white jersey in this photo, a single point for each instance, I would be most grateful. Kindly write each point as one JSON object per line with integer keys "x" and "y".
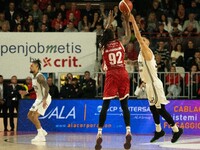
{"x": 154, "y": 86}
{"x": 43, "y": 100}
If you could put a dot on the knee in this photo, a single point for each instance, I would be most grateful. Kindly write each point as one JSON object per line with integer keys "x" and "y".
{"x": 30, "y": 116}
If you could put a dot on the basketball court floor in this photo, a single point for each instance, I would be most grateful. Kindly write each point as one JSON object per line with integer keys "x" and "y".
{"x": 86, "y": 141}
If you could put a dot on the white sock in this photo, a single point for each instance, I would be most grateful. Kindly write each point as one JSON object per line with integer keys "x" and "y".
{"x": 99, "y": 130}
{"x": 128, "y": 129}
{"x": 40, "y": 131}
{"x": 175, "y": 128}
{"x": 158, "y": 127}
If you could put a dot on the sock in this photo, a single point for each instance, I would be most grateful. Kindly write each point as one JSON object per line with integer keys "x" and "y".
{"x": 158, "y": 127}
{"x": 40, "y": 131}
{"x": 99, "y": 130}
{"x": 128, "y": 129}
{"x": 175, "y": 128}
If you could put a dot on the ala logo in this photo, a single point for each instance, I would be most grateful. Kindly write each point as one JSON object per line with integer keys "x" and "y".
{"x": 99, "y": 108}
{"x": 60, "y": 113}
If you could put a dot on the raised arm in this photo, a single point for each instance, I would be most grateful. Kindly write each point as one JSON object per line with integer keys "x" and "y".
{"x": 127, "y": 29}
{"x": 146, "y": 52}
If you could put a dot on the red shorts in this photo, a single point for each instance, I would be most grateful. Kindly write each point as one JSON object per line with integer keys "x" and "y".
{"x": 117, "y": 84}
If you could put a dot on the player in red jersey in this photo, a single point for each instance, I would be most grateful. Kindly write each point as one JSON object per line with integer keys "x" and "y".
{"x": 117, "y": 79}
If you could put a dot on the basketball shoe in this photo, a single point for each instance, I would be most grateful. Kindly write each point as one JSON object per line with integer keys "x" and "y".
{"x": 98, "y": 142}
{"x": 127, "y": 144}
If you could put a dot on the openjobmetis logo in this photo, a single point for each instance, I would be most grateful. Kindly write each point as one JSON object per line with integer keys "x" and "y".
{"x": 46, "y": 61}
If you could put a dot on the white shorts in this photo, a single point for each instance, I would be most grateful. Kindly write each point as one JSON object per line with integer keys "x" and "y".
{"x": 156, "y": 94}
{"x": 37, "y": 106}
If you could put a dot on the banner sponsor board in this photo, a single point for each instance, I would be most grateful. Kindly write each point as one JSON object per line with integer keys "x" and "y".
{"x": 82, "y": 116}
{"x": 59, "y": 52}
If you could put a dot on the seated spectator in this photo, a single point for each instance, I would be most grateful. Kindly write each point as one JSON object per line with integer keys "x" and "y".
{"x": 189, "y": 54}
{"x": 167, "y": 22}
{"x": 10, "y": 15}
{"x": 192, "y": 81}
{"x": 45, "y": 21}
{"x": 57, "y": 23}
{"x": 88, "y": 86}
{"x": 76, "y": 91}
{"x": 161, "y": 32}
{"x": 192, "y": 23}
{"x": 28, "y": 22}
{"x": 18, "y": 28}
{"x": 194, "y": 8}
{"x": 177, "y": 55}
{"x": 117, "y": 15}
{"x": 62, "y": 10}
{"x": 70, "y": 28}
{"x": 83, "y": 23}
{"x": 87, "y": 11}
{"x": 96, "y": 19}
{"x": 26, "y": 6}
{"x": 67, "y": 88}
{"x": 160, "y": 67}
{"x": 76, "y": 12}
{"x": 72, "y": 19}
{"x": 31, "y": 28}
{"x": 173, "y": 80}
{"x": 103, "y": 13}
{"x": 151, "y": 22}
{"x": 175, "y": 32}
{"x": 43, "y": 28}
{"x": 163, "y": 52}
{"x": 51, "y": 13}
{"x": 140, "y": 91}
{"x": 5, "y": 26}
{"x": 99, "y": 29}
{"x": 53, "y": 89}
{"x": 189, "y": 31}
{"x": 160, "y": 64}
{"x": 28, "y": 87}
{"x": 2, "y": 18}
{"x": 37, "y": 15}
{"x": 131, "y": 53}
{"x": 181, "y": 13}
{"x": 42, "y": 4}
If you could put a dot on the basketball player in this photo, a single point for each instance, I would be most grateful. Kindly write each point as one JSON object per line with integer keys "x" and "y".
{"x": 43, "y": 100}
{"x": 117, "y": 80}
{"x": 154, "y": 87}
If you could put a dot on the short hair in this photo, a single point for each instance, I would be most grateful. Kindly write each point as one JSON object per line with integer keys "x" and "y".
{"x": 87, "y": 72}
{"x": 1, "y": 76}
{"x": 38, "y": 63}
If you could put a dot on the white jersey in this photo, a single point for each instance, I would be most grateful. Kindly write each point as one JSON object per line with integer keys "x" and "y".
{"x": 39, "y": 89}
{"x": 154, "y": 86}
{"x": 147, "y": 69}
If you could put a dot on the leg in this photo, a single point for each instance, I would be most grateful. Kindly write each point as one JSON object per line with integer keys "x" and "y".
{"x": 5, "y": 117}
{"x": 177, "y": 132}
{"x": 159, "y": 132}
{"x": 11, "y": 113}
{"x": 33, "y": 116}
{"x": 126, "y": 114}
{"x": 102, "y": 119}
{"x": 103, "y": 113}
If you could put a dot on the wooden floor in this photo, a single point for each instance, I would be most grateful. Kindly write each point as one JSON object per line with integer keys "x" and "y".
{"x": 86, "y": 141}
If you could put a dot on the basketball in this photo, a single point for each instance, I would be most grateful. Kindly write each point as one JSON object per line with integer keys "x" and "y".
{"x": 125, "y": 6}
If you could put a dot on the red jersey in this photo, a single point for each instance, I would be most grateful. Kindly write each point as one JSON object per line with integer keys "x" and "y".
{"x": 113, "y": 55}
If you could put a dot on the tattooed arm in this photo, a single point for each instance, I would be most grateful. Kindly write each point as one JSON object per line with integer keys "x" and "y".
{"x": 41, "y": 80}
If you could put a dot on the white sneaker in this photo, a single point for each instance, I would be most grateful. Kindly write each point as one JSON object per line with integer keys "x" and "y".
{"x": 44, "y": 132}
{"x": 39, "y": 138}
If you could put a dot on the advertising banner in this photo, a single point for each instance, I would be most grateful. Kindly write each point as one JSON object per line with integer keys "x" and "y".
{"x": 83, "y": 115}
{"x": 59, "y": 52}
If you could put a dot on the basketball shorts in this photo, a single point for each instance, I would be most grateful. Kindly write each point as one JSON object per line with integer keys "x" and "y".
{"x": 156, "y": 94}
{"x": 38, "y": 106}
{"x": 117, "y": 84}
